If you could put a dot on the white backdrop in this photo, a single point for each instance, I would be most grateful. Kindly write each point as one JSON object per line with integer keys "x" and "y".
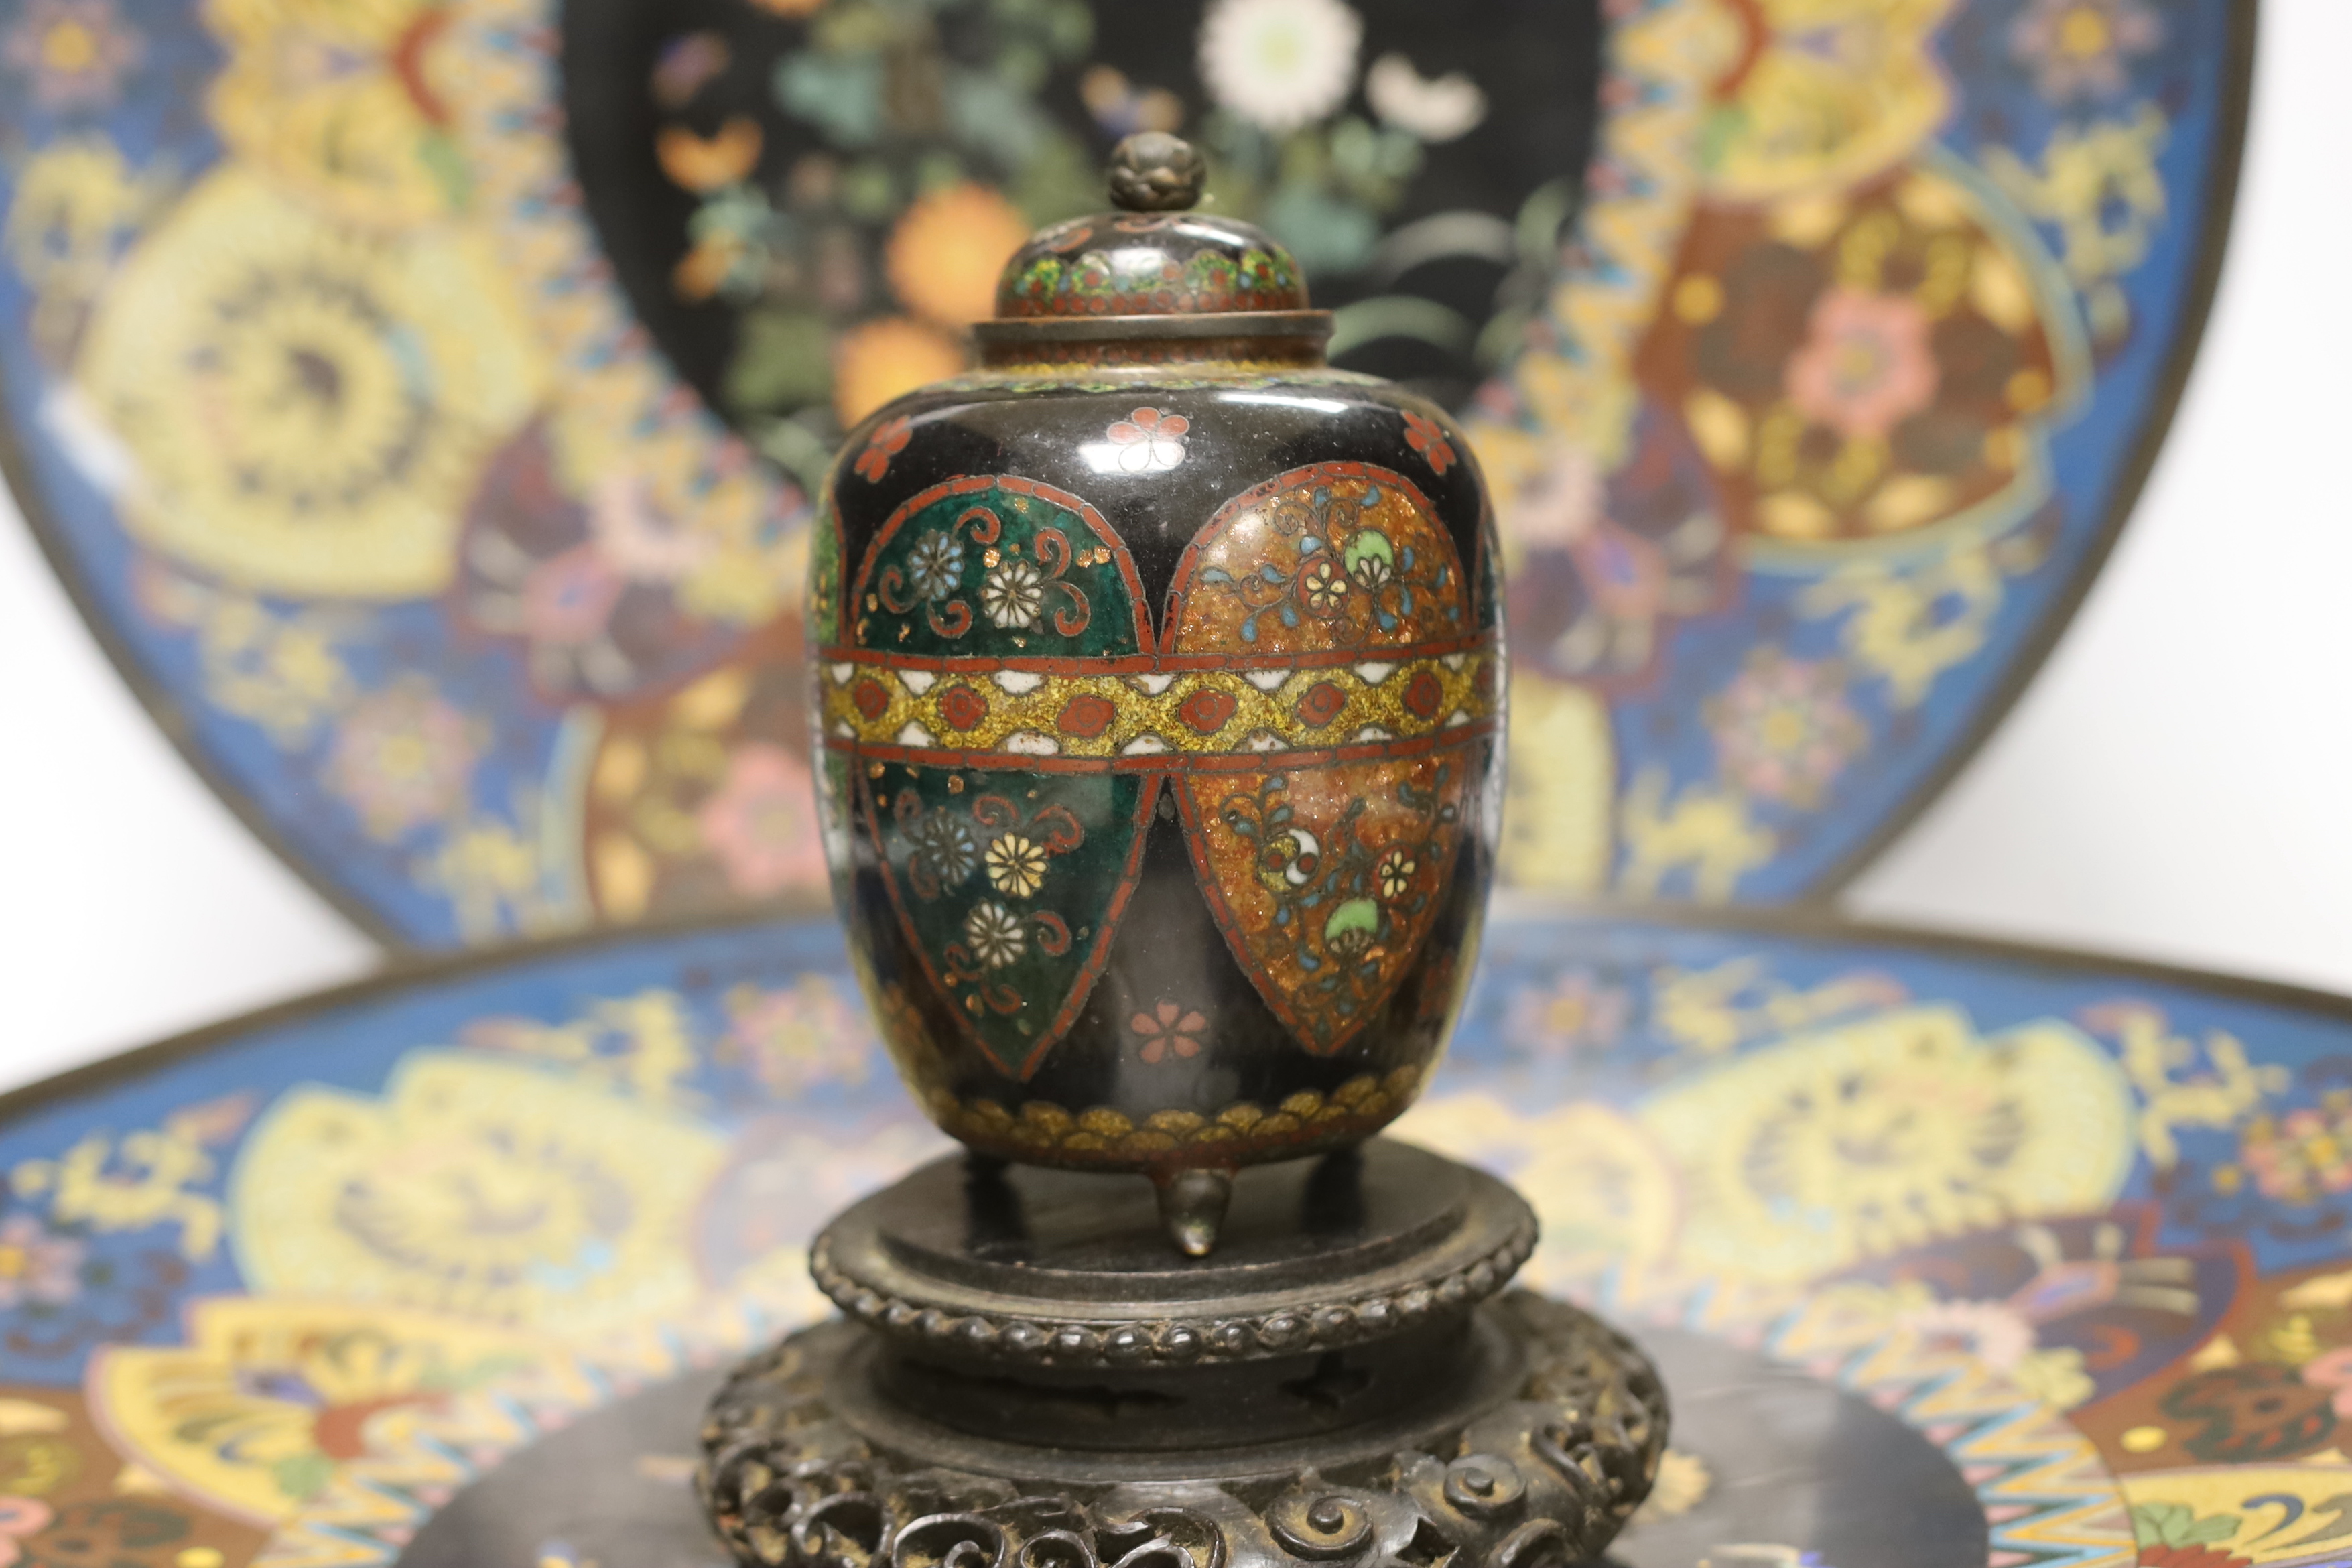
{"x": 2177, "y": 784}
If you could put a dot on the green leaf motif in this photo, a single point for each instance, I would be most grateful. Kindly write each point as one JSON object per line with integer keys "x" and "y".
{"x": 840, "y": 95}
{"x": 302, "y": 1476}
{"x": 2176, "y": 1525}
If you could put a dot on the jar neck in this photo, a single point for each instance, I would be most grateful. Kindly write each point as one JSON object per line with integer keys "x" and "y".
{"x": 1290, "y": 339}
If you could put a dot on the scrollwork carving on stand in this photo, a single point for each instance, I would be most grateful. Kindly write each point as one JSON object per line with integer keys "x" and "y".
{"x": 1541, "y": 1481}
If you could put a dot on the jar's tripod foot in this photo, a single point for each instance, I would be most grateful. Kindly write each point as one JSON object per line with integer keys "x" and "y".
{"x": 1192, "y": 1207}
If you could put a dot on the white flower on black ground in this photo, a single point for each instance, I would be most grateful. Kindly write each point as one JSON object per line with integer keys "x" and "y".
{"x": 1012, "y": 592}
{"x": 994, "y": 935}
{"x": 1280, "y": 64}
{"x": 1444, "y": 108}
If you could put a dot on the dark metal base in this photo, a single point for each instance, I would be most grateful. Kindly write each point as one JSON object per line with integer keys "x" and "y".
{"x": 1036, "y": 1378}
{"x": 807, "y": 1463}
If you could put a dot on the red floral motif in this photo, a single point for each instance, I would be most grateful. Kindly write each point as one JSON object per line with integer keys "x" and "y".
{"x": 871, "y": 697}
{"x": 1208, "y": 710}
{"x": 1086, "y": 716}
{"x": 887, "y": 442}
{"x": 1150, "y": 440}
{"x": 2191, "y": 1557}
{"x": 1169, "y": 1027}
{"x": 1423, "y": 436}
{"x": 1321, "y": 705}
{"x": 962, "y": 707}
{"x": 1423, "y": 694}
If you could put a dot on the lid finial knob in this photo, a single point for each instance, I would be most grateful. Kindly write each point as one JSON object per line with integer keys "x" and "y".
{"x": 1152, "y": 172}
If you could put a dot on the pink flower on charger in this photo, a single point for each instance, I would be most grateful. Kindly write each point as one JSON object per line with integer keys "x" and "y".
{"x": 77, "y": 52}
{"x": 1867, "y": 364}
{"x": 637, "y": 539}
{"x": 800, "y": 1036}
{"x": 1560, "y": 503}
{"x": 760, "y": 823}
{"x": 36, "y": 1265}
{"x": 402, "y": 758}
{"x": 21, "y": 1518}
{"x": 568, "y": 599}
{"x": 2332, "y": 1369}
{"x": 2082, "y": 48}
{"x": 1784, "y": 730}
{"x": 2303, "y": 1156}
{"x": 1993, "y": 1332}
{"x": 1575, "y": 1012}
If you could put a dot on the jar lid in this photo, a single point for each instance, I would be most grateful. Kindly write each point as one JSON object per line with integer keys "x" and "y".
{"x": 1154, "y": 256}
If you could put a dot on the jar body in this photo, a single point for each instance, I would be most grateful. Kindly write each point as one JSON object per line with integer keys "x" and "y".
{"x": 1160, "y": 718}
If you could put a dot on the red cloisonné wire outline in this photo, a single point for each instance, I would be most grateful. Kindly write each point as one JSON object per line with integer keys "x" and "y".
{"x": 988, "y": 484}
{"x": 1090, "y": 968}
{"x": 1188, "y": 802}
{"x": 1160, "y": 767}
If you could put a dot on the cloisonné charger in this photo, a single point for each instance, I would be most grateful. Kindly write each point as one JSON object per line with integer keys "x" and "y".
{"x": 1950, "y": 1254}
{"x": 424, "y": 400}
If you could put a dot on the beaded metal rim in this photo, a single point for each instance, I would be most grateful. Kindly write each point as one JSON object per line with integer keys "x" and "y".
{"x": 1440, "y": 1264}
{"x": 1196, "y": 1339}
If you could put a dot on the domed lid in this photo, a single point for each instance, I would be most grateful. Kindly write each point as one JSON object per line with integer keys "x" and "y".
{"x": 1154, "y": 256}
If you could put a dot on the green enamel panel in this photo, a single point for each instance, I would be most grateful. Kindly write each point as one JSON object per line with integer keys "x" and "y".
{"x": 999, "y": 573}
{"x": 1009, "y": 883}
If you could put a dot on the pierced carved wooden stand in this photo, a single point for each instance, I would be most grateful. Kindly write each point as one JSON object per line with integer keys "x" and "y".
{"x": 1029, "y": 1376}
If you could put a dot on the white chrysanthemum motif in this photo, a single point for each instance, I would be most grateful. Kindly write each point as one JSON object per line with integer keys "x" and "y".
{"x": 1280, "y": 64}
{"x": 1444, "y": 109}
{"x": 1012, "y": 594}
{"x": 995, "y": 934}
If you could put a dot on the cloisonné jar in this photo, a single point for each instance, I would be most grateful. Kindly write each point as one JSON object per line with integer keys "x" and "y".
{"x": 1161, "y": 695}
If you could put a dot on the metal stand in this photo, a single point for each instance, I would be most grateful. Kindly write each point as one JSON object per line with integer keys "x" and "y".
{"x": 1031, "y": 1377}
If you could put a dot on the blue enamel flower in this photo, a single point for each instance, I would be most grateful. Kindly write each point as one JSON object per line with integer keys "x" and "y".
{"x": 935, "y": 565}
